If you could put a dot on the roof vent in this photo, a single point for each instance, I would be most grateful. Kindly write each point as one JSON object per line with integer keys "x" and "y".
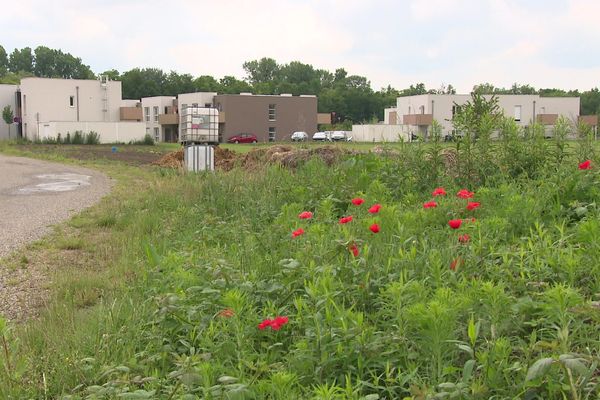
{"x": 286, "y": 95}
{"x": 245, "y": 94}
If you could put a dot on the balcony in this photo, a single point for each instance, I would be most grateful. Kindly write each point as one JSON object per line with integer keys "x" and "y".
{"x": 546, "y": 119}
{"x": 168, "y": 119}
{"x": 131, "y": 113}
{"x": 417, "y": 119}
{"x": 591, "y": 120}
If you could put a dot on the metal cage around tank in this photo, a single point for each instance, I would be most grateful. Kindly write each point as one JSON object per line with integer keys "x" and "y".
{"x": 199, "y": 125}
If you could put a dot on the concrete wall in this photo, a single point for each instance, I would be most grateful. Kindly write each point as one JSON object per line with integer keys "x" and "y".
{"x": 441, "y": 107}
{"x": 45, "y": 99}
{"x": 7, "y": 98}
{"x": 155, "y": 106}
{"x": 110, "y": 132}
{"x": 250, "y": 114}
{"x": 380, "y": 133}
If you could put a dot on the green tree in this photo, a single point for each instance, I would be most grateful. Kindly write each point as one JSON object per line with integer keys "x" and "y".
{"x": 8, "y": 116}
{"x": 3, "y": 62}
{"x": 232, "y": 85}
{"x": 21, "y": 60}
{"x": 206, "y": 83}
{"x": 112, "y": 74}
{"x": 178, "y": 83}
{"x": 260, "y": 71}
{"x": 147, "y": 82}
{"x": 590, "y": 102}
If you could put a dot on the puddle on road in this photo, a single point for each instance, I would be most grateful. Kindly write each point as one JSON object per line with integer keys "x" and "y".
{"x": 57, "y": 183}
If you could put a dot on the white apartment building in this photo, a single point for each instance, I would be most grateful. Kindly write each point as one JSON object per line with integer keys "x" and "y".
{"x": 153, "y": 108}
{"x": 8, "y": 98}
{"x": 418, "y": 112}
{"x": 59, "y": 106}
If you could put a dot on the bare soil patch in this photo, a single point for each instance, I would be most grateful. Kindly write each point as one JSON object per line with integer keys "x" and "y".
{"x": 129, "y": 154}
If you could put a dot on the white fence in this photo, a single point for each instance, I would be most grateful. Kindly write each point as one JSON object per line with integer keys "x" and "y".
{"x": 110, "y": 132}
{"x": 380, "y": 133}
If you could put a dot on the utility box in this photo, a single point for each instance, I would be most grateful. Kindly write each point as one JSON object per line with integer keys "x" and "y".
{"x": 199, "y": 157}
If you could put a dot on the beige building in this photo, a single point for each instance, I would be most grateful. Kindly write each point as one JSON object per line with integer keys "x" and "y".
{"x": 152, "y": 108}
{"x": 8, "y": 98}
{"x": 418, "y": 112}
{"x": 59, "y": 106}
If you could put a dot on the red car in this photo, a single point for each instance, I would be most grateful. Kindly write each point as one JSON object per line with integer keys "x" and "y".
{"x": 243, "y": 138}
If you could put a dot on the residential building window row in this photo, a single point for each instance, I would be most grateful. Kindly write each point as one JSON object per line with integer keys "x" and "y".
{"x": 271, "y": 112}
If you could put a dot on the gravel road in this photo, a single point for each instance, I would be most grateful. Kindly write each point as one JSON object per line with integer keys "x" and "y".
{"x": 34, "y": 195}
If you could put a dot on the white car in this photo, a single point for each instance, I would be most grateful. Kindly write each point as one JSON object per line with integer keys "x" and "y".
{"x": 340, "y": 136}
{"x": 299, "y": 136}
{"x": 322, "y": 136}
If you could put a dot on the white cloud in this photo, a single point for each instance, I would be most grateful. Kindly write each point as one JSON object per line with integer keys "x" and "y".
{"x": 461, "y": 42}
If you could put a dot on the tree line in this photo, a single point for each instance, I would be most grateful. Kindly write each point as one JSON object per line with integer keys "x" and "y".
{"x": 351, "y": 97}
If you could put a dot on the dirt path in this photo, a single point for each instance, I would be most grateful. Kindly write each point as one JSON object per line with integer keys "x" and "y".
{"x": 34, "y": 195}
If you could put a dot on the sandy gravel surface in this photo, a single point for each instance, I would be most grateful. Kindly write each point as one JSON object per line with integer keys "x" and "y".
{"x": 34, "y": 195}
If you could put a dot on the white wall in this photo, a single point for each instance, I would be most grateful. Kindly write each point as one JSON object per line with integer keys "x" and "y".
{"x": 7, "y": 98}
{"x": 110, "y": 132}
{"x": 46, "y": 99}
{"x": 379, "y": 133}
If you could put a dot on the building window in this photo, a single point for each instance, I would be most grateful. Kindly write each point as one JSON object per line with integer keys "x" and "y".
{"x": 166, "y": 110}
{"x": 454, "y": 110}
{"x": 272, "y": 115}
{"x": 71, "y": 101}
{"x": 147, "y": 113}
{"x": 518, "y": 113}
{"x": 155, "y": 113}
{"x": 271, "y": 134}
{"x": 157, "y": 134}
{"x": 148, "y": 131}
{"x": 422, "y": 109}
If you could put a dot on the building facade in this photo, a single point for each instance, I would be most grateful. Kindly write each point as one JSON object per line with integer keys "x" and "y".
{"x": 8, "y": 97}
{"x": 152, "y": 109}
{"x": 270, "y": 118}
{"x": 418, "y": 112}
{"x": 49, "y": 107}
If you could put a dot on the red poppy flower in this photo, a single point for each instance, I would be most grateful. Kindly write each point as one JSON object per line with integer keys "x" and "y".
{"x": 439, "y": 192}
{"x": 455, "y": 223}
{"x": 357, "y": 201}
{"x": 226, "y": 313}
{"x": 375, "y": 208}
{"x": 264, "y": 324}
{"x": 374, "y": 228}
{"x": 430, "y": 204}
{"x": 455, "y": 263}
{"x": 472, "y": 205}
{"x": 464, "y": 194}
{"x": 587, "y": 164}
{"x": 275, "y": 324}
{"x": 464, "y": 238}
{"x": 353, "y": 249}
{"x": 305, "y": 215}
{"x": 298, "y": 232}
{"x": 345, "y": 220}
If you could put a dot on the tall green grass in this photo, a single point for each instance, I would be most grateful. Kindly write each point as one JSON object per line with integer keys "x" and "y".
{"x": 210, "y": 256}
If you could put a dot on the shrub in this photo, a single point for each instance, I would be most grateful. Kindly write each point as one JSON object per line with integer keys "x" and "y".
{"x": 92, "y": 138}
{"x": 77, "y": 138}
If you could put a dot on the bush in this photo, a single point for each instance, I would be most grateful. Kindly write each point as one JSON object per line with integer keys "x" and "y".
{"x": 77, "y": 138}
{"x": 92, "y": 138}
{"x": 147, "y": 141}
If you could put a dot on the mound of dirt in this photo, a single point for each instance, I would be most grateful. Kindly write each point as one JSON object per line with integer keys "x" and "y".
{"x": 171, "y": 160}
{"x": 283, "y": 155}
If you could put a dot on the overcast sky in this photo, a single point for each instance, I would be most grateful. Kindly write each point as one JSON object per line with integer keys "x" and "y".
{"x": 545, "y": 43}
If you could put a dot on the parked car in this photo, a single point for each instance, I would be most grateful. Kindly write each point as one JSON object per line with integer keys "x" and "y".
{"x": 322, "y": 136}
{"x": 338, "y": 136}
{"x": 299, "y": 136}
{"x": 243, "y": 138}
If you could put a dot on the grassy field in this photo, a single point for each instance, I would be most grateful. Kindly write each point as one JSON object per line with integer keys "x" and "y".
{"x": 212, "y": 286}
